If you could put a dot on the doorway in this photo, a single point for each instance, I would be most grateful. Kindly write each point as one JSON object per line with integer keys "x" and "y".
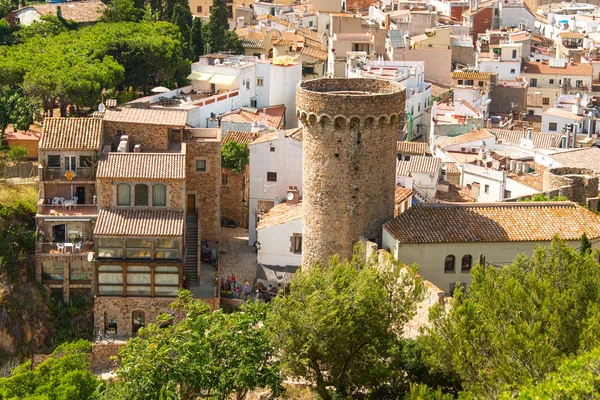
{"x": 71, "y": 163}
{"x": 138, "y": 321}
{"x": 80, "y": 193}
{"x": 191, "y": 204}
{"x": 59, "y": 233}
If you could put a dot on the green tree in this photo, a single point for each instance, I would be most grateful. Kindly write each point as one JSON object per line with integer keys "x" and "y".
{"x": 585, "y": 246}
{"x": 17, "y": 224}
{"x": 517, "y": 323}
{"x": 64, "y": 375}
{"x": 5, "y": 31}
{"x": 17, "y": 153}
{"x": 340, "y": 324}
{"x": 182, "y": 18}
{"x": 214, "y": 355}
{"x": 233, "y": 43}
{"x": 122, "y": 11}
{"x": 235, "y": 156}
{"x": 6, "y": 108}
{"x": 218, "y": 26}
{"x": 576, "y": 378}
{"x": 24, "y": 111}
{"x": 196, "y": 39}
{"x": 47, "y": 26}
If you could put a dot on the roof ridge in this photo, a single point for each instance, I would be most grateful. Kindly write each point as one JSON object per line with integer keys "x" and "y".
{"x": 501, "y": 204}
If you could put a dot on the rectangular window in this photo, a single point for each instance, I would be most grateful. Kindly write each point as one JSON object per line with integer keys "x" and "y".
{"x": 308, "y": 70}
{"x": 85, "y": 161}
{"x": 296, "y": 243}
{"x": 514, "y": 54}
{"x": 419, "y": 107}
{"x": 545, "y": 101}
{"x": 533, "y": 82}
{"x": 460, "y": 81}
{"x": 530, "y": 112}
{"x": 507, "y": 194}
{"x": 166, "y": 281}
{"x": 272, "y": 149}
{"x": 578, "y": 83}
{"x": 166, "y": 249}
{"x": 52, "y": 271}
{"x": 469, "y": 82}
{"x": 310, "y": 24}
{"x": 123, "y": 194}
{"x": 79, "y": 272}
{"x": 138, "y": 281}
{"x": 224, "y": 181}
{"x": 552, "y": 126}
{"x": 512, "y": 71}
{"x": 110, "y": 248}
{"x": 480, "y": 83}
{"x": 551, "y": 81}
{"x": 110, "y": 280}
{"x": 54, "y": 161}
{"x": 260, "y": 82}
{"x": 271, "y": 176}
{"x": 253, "y": 103}
{"x": 200, "y": 165}
{"x": 159, "y": 195}
{"x": 248, "y": 84}
{"x": 199, "y": 9}
{"x": 139, "y": 248}
{"x": 486, "y": 189}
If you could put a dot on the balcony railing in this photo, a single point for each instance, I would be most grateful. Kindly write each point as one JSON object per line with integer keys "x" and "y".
{"x": 67, "y": 210}
{"x": 59, "y": 248}
{"x": 59, "y": 174}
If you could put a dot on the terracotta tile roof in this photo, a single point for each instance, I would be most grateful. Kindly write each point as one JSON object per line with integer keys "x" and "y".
{"x": 314, "y": 53}
{"x": 480, "y": 134}
{"x": 539, "y": 68}
{"x": 481, "y": 76}
{"x": 520, "y": 36}
{"x": 270, "y": 116}
{"x": 24, "y": 135}
{"x": 540, "y": 140}
{"x": 277, "y": 20}
{"x": 78, "y": 11}
{"x": 402, "y": 194}
{"x": 314, "y": 43}
{"x": 240, "y": 137}
{"x": 310, "y": 34}
{"x": 139, "y": 222}
{"x": 295, "y": 133}
{"x": 493, "y": 222}
{"x": 412, "y": 148}
{"x": 534, "y": 100}
{"x": 455, "y": 194}
{"x": 252, "y": 43}
{"x": 142, "y": 166}
{"x": 281, "y": 42}
{"x": 452, "y": 168}
{"x": 280, "y": 214}
{"x": 557, "y": 112}
{"x": 421, "y": 164}
{"x": 152, "y": 116}
{"x": 534, "y": 180}
{"x": 267, "y": 137}
{"x": 71, "y": 134}
{"x": 580, "y": 158}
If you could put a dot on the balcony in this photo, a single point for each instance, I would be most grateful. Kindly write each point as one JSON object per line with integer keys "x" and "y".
{"x": 75, "y": 210}
{"x": 62, "y": 249}
{"x": 60, "y": 174}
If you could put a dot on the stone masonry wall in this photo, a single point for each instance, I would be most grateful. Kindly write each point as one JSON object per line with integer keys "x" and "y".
{"x": 349, "y": 151}
{"x": 232, "y": 194}
{"x": 577, "y": 184}
{"x": 107, "y": 192}
{"x": 67, "y": 284}
{"x": 205, "y": 185}
{"x": 150, "y": 136}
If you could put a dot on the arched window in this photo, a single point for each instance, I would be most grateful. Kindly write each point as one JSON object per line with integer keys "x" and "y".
{"x": 123, "y": 194}
{"x": 159, "y": 195}
{"x": 449, "y": 263}
{"x": 141, "y": 194}
{"x": 467, "y": 263}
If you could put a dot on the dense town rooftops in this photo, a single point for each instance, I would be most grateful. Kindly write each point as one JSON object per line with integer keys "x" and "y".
{"x": 152, "y": 116}
{"x": 419, "y": 164}
{"x": 540, "y": 139}
{"x": 139, "y": 222}
{"x": 412, "y": 148}
{"x": 280, "y": 214}
{"x": 71, "y": 134}
{"x": 588, "y": 158}
{"x": 480, "y": 134}
{"x": 142, "y": 166}
{"x": 493, "y": 222}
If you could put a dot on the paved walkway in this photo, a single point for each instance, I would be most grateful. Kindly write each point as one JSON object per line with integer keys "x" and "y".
{"x": 236, "y": 256}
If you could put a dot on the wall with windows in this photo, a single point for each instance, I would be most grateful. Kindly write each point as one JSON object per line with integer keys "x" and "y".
{"x": 66, "y": 272}
{"x": 138, "y": 278}
{"x": 281, "y": 244}
{"x": 203, "y": 181}
{"x": 431, "y": 258}
{"x": 140, "y": 248}
{"x": 130, "y": 193}
{"x": 57, "y": 162}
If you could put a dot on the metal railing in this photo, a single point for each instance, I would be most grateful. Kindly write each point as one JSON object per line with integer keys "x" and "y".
{"x": 67, "y": 248}
{"x": 59, "y": 174}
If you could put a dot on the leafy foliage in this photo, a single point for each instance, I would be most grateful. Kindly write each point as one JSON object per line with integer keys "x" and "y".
{"x": 122, "y": 11}
{"x": 63, "y": 376}
{"x": 217, "y": 26}
{"x": 71, "y": 321}
{"x": 517, "y": 323}
{"x": 340, "y": 325}
{"x": 17, "y": 224}
{"x": 235, "y": 156}
{"x": 17, "y": 153}
{"x": 543, "y": 197}
{"x": 205, "y": 354}
{"x": 16, "y": 108}
{"x": 196, "y": 39}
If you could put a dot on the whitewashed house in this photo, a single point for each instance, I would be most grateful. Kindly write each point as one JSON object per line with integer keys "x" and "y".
{"x": 279, "y": 235}
{"x": 275, "y": 165}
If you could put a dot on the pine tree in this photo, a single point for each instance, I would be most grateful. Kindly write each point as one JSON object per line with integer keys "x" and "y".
{"x": 585, "y": 245}
{"x": 196, "y": 39}
{"x": 218, "y": 26}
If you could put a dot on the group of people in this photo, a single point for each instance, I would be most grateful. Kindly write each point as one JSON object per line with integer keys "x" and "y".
{"x": 238, "y": 289}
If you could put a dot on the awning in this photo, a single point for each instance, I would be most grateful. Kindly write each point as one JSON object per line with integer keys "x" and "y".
{"x": 222, "y": 79}
{"x": 199, "y": 76}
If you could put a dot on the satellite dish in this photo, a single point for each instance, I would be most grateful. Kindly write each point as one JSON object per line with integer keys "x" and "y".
{"x": 290, "y": 196}
{"x": 90, "y": 257}
{"x": 101, "y": 107}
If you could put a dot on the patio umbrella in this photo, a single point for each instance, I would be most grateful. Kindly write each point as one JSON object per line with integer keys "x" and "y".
{"x": 160, "y": 89}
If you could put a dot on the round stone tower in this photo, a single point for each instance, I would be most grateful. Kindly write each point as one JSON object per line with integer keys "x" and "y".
{"x": 349, "y": 153}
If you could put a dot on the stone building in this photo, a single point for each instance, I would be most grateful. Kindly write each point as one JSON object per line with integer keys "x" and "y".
{"x": 66, "y": 209}
{"x": 235, "y": 187}
{"x": 350, "y": 131}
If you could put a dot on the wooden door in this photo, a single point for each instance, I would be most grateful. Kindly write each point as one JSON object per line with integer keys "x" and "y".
{"x": 191, "y": 204}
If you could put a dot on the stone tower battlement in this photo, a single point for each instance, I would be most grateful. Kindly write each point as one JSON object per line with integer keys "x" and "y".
{"x": 349, "y": 161}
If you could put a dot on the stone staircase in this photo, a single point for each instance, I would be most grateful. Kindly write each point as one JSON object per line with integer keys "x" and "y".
{"x": 191, "y": 250}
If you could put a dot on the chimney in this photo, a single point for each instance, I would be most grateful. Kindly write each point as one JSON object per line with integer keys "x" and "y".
{"x": 574, "y": 131}
{"x": 566, "y": 132}
{"x": 292, "y": 196}
{"x": 591, "y": 124}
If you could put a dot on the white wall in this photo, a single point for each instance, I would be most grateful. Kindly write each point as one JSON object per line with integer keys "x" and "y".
{"x": 275, "y": 244}
{"x": 560, "y": 122}
{"x": 279, "y": 87}
{"x": 507, "y": 70}
{"x": 512, "y": 15}
{"x": 517, "y": 189}
{"x": 495, "y": 181}
{"x": 28, "y": 16}
{"x": 286, "y": 161}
